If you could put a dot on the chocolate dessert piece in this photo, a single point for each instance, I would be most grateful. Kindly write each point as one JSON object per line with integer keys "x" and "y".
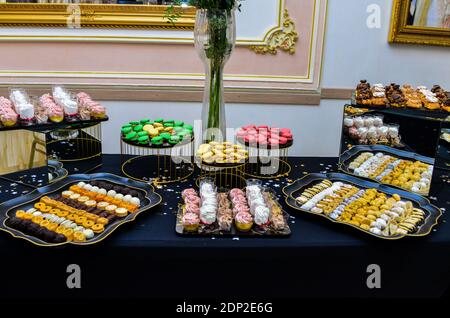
{"x": 134, "y": 193}
{"x": 363, "y": 85}
{"x": 59, "y": 238}
{"x": 118, "y": 189}
{"x": 441, "y": 94}
{"x": 111, "y": 218}
{"x": 363, "y": 93}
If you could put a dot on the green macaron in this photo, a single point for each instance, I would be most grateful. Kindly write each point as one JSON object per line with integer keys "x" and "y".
{"x": 131, "y": 136}
{"x": 134, "y": 123}
{"x": 145, "y": 121}
{"x": 168, "y": 125}
{"x": 157, "y": 141}
{"x": 126, "y": 130}
{"x": 142, "y": 133}
{"x": 174, "y": 140}
{"x": 143, "y": 140}
{"x": 138, "y": 128}
{"x": 188, "y": 127}
{"x": 159, "y": 120}
{"x": 177, "y": 129}
{"x": 165, "y": 135}
{"x": 179, "y": 123}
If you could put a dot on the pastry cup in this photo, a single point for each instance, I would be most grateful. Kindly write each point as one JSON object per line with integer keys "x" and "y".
{"x": 244, "y": 227}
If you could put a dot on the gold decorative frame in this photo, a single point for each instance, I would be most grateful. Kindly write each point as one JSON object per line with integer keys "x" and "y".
{"x": 283, "y": 38}
{"x": 401, "y": 32}
{"x": 93, "y": 16}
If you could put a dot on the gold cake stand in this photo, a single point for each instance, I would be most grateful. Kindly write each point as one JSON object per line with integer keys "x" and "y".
{"x": 225, "y": 176}
{"x": 267, "y": 163}
{"x": 157, "y": 165}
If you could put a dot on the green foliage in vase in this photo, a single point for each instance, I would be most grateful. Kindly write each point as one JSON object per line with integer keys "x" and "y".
{"x": 217, "y": 49}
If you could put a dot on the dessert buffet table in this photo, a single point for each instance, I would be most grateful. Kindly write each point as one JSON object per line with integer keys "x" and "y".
{"x": 147, "y": 257}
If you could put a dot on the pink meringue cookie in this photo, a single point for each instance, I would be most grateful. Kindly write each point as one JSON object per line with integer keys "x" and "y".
{"x": 192, "y": 208}
{"x": 236, "y": 191}
{"x": 193, "y": 199}
{"x": 187, "y": 192}
{"x": 244, "y": 217}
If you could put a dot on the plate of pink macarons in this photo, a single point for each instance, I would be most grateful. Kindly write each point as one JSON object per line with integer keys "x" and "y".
{"x": 265, "y": 136}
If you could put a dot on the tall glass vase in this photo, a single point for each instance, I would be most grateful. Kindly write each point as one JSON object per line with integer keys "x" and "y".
{"x": 215, "y": 38}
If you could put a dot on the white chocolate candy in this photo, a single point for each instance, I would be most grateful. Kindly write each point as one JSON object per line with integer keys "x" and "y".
{"x": 88, "y": 233}
{"x": 135, "y": 201}
{"x": 112, "y": 193}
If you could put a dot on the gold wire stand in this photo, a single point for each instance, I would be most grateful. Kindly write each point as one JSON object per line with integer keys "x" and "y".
{"x": 268, "y": 163}
{"x": 87, "y": 143}
{"x": 226, "y": 177}
{"x": 158, "y": 166}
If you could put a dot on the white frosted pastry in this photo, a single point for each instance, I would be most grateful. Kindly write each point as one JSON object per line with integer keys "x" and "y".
{"x": 368, "y": 122}
{"x": 95, "y": 189}
{"x": 358, "y": 122}
{"x": 135, "y": 201}
{"x": 348, "y": 122}
{"x": 111, "y": 193}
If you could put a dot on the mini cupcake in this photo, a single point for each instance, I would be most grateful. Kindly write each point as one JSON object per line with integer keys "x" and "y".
{"x": 83, "y": 199}
{"x": 90, "y": 203}
{"x": 121, "y": 212}
{"x": 244, "y": 221}
{"x": 75, "y": 196}
{"x": 191, "y": 222}
{"x": 111, "y": 209}
{"x": 67, "y": 194}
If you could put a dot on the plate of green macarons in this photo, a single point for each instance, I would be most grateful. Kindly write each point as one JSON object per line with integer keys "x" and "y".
{"x": 158, "y": 133}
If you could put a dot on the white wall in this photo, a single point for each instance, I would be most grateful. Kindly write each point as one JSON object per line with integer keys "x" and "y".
{"x": 352, "y": 52}
{"x": 316, "y": 128}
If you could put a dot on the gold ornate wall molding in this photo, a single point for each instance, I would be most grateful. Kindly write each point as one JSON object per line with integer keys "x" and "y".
{"x": 284, "y": 38}
{"x": 93, "y": 16}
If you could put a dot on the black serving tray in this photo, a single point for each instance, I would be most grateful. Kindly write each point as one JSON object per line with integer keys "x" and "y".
{"x": 7, "y": 210}
{"x": 40, "y": 176}
{"x": 214, "y": 230}
{"x": 49, "y": 126}
{"x": 432, "y": 213}
{"x": 348, "y": 156}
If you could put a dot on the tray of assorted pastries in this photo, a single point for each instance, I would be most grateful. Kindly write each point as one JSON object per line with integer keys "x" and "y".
{"x": 254, "y": 211}
{"x": 395, "y": 96}
{"x": 375, "y": 209}
{"x": 58, "y": 109}
{"x": 157, "y": 133}
{"x": 398, "y": 168}
{"x": 79, "y": 210}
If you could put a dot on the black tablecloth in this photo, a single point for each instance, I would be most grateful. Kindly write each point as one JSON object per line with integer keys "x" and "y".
{"x": 147, "y": 258}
